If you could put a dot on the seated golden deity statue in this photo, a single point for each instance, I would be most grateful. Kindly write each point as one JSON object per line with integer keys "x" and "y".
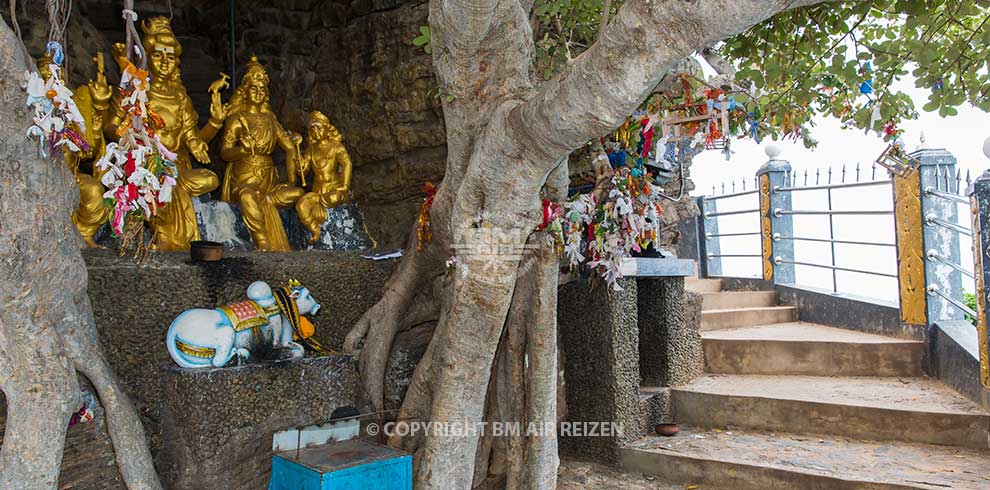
{"x": 251, "y": 180}
{"x": 92, "y": 99}
{"x": 175, "y": 226}
{"x": 331, "y": 166}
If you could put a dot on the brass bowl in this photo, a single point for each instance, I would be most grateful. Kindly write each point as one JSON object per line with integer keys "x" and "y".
{"x": 205, "y": 251}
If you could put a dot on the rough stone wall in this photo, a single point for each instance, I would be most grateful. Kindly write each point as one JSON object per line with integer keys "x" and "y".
{"x": 220, "y": 422}
{"x": 669, "y": 317}
{"x": 598, "y": 337}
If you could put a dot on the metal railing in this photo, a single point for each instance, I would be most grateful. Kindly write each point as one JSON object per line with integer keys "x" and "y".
{"x": 829, "y": 187}
{"x": 710, "y": 237}
{"x": 786, "y": 183}
{"x": 941, "y": 198}
{"x": 928, "y": 197}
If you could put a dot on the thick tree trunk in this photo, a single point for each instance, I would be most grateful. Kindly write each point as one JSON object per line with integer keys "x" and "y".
{"x": 47, "y": 330}
{"x": 496, "y": 331}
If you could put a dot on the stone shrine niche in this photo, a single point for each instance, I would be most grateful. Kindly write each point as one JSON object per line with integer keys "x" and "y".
{"x": 353, "y": 61}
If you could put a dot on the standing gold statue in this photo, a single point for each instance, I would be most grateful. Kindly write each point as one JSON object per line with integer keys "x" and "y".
{"x": 250, "y": 136}
{"x": 331, "y": 165}
{"x": 175, "y": 225}
{"x": 92, "y": 99}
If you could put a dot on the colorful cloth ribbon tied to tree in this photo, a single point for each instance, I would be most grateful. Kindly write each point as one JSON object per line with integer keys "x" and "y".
{"x": 423, "y": 232}
{"x": 140, "y": 172}
{"x": 57, "y": 121}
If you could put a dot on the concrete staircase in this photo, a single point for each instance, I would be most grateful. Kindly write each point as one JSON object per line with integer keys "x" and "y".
{"x": 792, "y": 405}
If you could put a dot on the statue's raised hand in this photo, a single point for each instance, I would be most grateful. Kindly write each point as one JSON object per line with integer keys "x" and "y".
{"x": 218, "y": 110}
{"x": 200, "y": 150}
{"x": 99, "y": 88}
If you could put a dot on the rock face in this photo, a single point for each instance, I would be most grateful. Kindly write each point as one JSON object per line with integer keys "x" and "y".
{"x": 355, "y": 62}
{"x": 222, "y": 222}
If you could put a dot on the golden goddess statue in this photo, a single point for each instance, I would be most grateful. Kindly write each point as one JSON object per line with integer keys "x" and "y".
{"x": 250, "y": 136}
{"x": 175, "y": 225}
{"x": 327, "y": 158}
{"x": 92, "y": 99}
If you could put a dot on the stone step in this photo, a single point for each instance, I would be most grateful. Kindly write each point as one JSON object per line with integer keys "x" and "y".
{"x": 809, "y": 349}
{"x": 727, "y": 300}
{"x": 703, "y": 285}
{"x": 916, "y": 410}
{"x": 747, "y": 317}
{"x": 745, "y": 460}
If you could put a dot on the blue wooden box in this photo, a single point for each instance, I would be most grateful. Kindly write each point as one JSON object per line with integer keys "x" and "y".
{"x": 351, "y": 465}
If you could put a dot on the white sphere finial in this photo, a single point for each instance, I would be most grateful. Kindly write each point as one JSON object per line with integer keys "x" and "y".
{"x": 921, "y": 138}
{"x": 986, "y": 147}
{"x": 773, "y": 151}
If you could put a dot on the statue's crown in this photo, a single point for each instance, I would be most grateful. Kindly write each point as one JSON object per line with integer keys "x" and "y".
{"x": 255, "y": 71}
{"x": 294, "y": 283}
{"x": 157, "y": 25}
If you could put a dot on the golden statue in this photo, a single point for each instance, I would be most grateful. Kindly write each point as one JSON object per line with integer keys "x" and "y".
{"x": 176, "y": 226}
{"x": 331, "y": 166}
{"x": 250, "y": 136}
{"x": 92, "y": 100}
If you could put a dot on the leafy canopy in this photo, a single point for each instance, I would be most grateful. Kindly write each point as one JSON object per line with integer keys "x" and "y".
{"x": 841, "y": 59}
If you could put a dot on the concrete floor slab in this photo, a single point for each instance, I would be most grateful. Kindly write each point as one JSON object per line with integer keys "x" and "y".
{"x": 749, "y": 460}
{"x": 809, "y": 349}
{"x": 747, "y": 317}
{"x": 906, "y": 409}
{"x": 737, "y": 299}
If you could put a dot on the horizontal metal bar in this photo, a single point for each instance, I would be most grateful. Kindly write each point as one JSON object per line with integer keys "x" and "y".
{"x": 778, "y": 260}
{"x": 711, "y": 256}
{"x": 933, "y": 255}
{"x": 945, "y": 195}
{"x": 734, "y": 194}
{"x": 729, "y": 213}
{"x": 709, "y": 236}
{"x": 931, "y": 219}
{"x": 826, "y": 240}
{"x": 832, "y": 186}
{"x": 782, "y": 212}
{"x": 933, "y": 289}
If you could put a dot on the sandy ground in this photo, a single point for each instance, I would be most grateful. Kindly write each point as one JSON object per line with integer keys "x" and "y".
{"x": 574, "y": 475}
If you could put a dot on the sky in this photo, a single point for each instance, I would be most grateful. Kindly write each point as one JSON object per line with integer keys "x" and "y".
{"x": 962, "y": 135}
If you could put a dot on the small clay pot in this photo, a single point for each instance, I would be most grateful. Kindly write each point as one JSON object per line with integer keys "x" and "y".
{"x": 667, "y": 430}
{"x": 205, "y": 251}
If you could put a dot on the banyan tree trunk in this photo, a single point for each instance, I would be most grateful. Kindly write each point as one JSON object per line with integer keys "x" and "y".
{"x": 493, "y": 353}
{"x": 47, "y": 332}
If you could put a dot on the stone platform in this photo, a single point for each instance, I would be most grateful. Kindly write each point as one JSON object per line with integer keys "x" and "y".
{"x": 219, "y": 423}
{"x": 134, "y": 304}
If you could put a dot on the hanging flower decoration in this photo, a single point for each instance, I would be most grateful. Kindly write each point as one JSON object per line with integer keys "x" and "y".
{"x": 627, "y": 220}
{"x": 423, "y": 233}
{"x": 139, "y": 172}
{"x": 57, "y": 121}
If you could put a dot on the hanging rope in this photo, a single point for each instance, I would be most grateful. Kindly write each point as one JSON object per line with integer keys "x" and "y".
{"x": 133, "y": 42}
{"x": 58, "y": 19}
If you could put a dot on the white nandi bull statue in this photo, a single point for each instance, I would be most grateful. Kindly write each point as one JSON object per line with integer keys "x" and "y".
{"x": 267, "y": 320}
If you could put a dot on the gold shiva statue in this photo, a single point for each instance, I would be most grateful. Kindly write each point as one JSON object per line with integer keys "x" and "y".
{"x": 92, "y": 99}
{"x": 175, "y": 225}
{"x": 327, "y": 158}
{"x": 251, "y": 180}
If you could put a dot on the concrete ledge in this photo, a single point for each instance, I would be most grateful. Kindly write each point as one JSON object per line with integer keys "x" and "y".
{"x": 955, "y": 355}
{"x": 849, "y": 311}
{"x": 657, "y": 267}
{"x": 745, "y": 284}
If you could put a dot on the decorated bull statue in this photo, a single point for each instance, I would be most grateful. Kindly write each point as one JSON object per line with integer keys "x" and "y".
{"x": 268, "y": 321}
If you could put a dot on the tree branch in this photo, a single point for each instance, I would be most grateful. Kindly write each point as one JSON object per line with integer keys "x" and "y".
{"x": 466, "y": 22}
{"x": 608, "y": 81}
